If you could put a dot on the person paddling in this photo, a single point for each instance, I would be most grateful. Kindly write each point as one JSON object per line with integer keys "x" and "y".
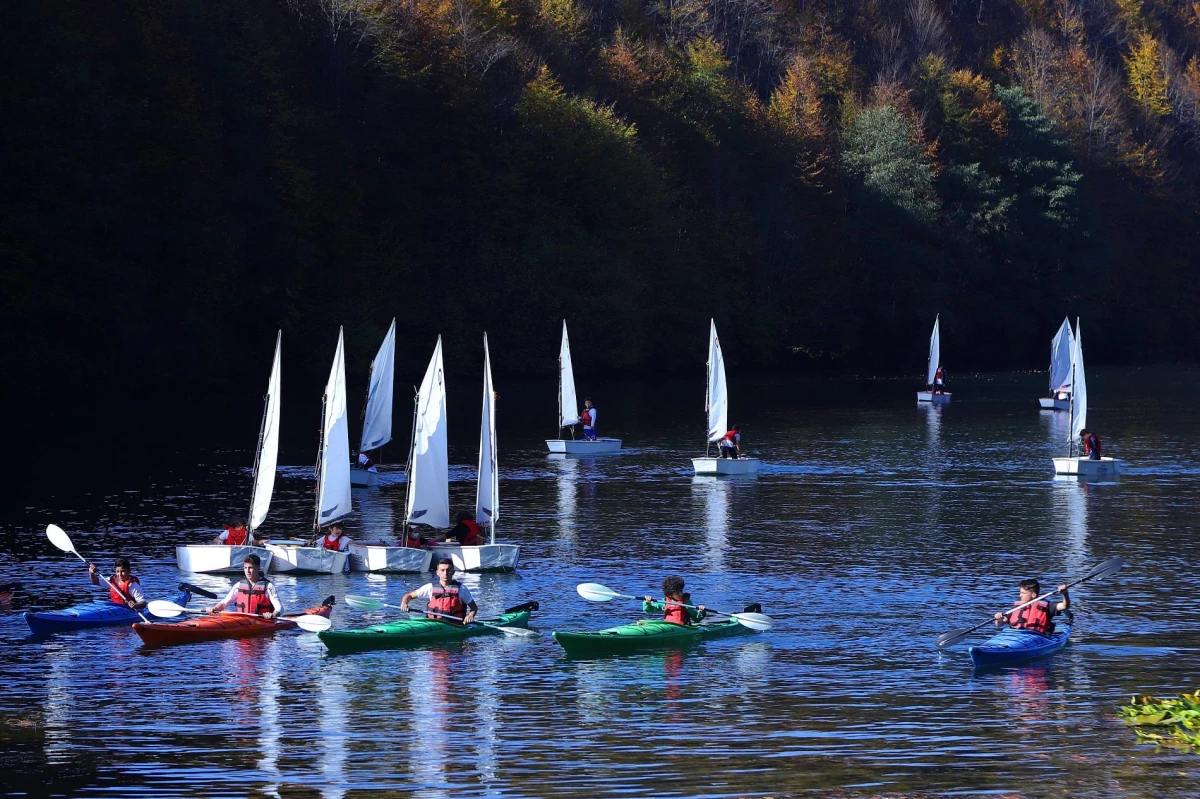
{"x": 674, "y": 605}
{"x": 255, "y": 594}
{"x": 124, "y": 588}
{"x": 235, "y": 533}
{"x": 1038, "y": 616}
{"x": 445, "y": 595}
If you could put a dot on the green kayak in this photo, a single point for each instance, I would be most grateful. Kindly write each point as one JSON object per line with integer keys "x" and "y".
{"x": 415, "y": 632}
{"x": 645, "y": 634}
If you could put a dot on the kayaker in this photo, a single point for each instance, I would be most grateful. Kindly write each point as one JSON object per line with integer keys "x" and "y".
{"x": 674, "y": 606}
{"x": 1036, "y": 617}
{"x": 445, "y": 595}
{"x": 335, "y": 540}
{"x": 235, "y": 533}
{"x": 466, "y": 530}
{"x": 255, "y": 594}
{"x": 124, "y": 588}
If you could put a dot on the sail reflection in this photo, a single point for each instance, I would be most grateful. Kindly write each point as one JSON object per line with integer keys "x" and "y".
{"x": 429, "y": 697}
{"x": 567, "y": 481}
{"x": 60, "y": 699}
{"x": 1075, "y": 502}
{"x": 715, "y": 495}
{"x": 333, "y": 722}
{"x": 932, "y": 465}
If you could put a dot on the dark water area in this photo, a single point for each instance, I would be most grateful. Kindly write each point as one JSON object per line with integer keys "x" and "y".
{"x": 873, "y": 526}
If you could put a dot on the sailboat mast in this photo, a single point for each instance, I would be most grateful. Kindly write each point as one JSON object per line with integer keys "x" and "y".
{"x": 708, "y": 401}
{"x": 1071, "y": 419}
{"x": 320, "y": 470}
{"x": 412, "y": 448}
{"x": 262, "y": 429}
{"x": 362, "y": 417}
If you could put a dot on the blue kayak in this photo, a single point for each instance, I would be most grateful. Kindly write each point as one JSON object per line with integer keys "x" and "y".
{"x": 1015, "y": 646}
{"x": 100, "y": 613}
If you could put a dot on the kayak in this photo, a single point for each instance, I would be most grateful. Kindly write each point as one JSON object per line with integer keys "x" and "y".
{"x": 100, "y": 613}
{"x": 645, "y": 634}
{"x": 1014, "y": 646}
{"x": 415, "y": 632}
{"x": 219, "y": 626}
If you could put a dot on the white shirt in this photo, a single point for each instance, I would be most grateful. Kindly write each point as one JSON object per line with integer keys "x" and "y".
{"x": 592, "y": 414}
{"x": 426, "y": 592}
{"x": 363, "y": 460}
{"x": 271, "y": 595}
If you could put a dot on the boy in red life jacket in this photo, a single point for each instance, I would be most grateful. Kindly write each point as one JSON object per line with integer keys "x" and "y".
{"x": 939, "y": 381}
{"x": 730, "y": 444}
{"x": 335, "y": 540}
{"x": 588, "y": 417}
{"x": 125, "y": 588}
{"x": 236, "y": 534}
{"x": 1036, "y": 617}
{"x": 466, "y": 531}
{"x": 255, "y": 594}
{"x": 675, "y": 606}
{"x": 445, "y": 595}
{"x": 1089, "y": 442}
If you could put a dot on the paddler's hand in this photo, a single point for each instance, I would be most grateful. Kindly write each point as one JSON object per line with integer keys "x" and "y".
{"x": 648, "y": 598}
{"x": 1062, "y": 589}
{"x": 999, "y": 618}
{"x": 404, "y": 606}
{"x": 470, "y": 617}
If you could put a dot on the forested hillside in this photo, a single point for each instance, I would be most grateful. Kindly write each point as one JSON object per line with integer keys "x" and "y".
{"x": 181, "y": 178}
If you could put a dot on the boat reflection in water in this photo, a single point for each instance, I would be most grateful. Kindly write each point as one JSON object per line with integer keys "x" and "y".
{"x": 710, "y": 495}
{"x": 567, "y": 482}
{"x": 331, "y": 696}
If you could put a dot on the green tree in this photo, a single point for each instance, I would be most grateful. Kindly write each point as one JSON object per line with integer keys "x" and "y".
{"x": 889, "y": 166}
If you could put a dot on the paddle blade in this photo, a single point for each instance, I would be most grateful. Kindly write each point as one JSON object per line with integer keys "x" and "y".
{"x": 313, "y": 624}
{"x": 197, "y": 590}
{"x": 517, "y": 632}
{"x": 755, "y": 621}
{"x": 951, "y": 638}
{"x": 363, "y": 602}
{"x": 594, "y": 592}
{"x": 164, "y": 609}
{"x": 1105, "y": 569}
{"x": 59, "y": 538}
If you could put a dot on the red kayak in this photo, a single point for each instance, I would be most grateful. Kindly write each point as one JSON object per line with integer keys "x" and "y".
{"x": 220, "y": 625}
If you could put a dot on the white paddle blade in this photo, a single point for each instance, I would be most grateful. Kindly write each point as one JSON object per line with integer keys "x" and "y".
{"x": 164, "y": 609}
{"x": 313, "y": 623}
{"x": 755, "y": 621}
{"x": 594, "y": 592}
{"x": 363, "y": 602}
{"x": 59, "y": 538}
{"x": 517, "y": 632}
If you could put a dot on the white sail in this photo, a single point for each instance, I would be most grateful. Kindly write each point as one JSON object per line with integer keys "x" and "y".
{"x": 935, "y": 353}
{"x": 377, "y": 420}
{"x": 333, "y": 488}
{"x": 268, "y": 446}
{"x": 1078, "y": 389}
{"x": 487, "y": 494}
{"x": 568, "y": 406}
{"x": 716, "y": 404}
{"x": 1061, "y": 351}
{"x": 428, "y": 500}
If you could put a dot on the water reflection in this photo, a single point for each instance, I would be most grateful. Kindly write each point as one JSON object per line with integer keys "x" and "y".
{"x": 251, "y": 679}
{"x": 713, "y": 492}
{"x": 1074, "y": 496}
{"x": 430, "y": 694}
{"x": 933, "y": 464}
{"x": 567, "y": 482}
{"x": 331, "y": 694}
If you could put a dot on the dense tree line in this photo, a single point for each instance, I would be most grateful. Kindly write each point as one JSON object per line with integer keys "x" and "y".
{"x": 181, "y": 178}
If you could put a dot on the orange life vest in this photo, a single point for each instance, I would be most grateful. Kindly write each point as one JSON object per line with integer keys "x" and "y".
{"x": 731, "y": 437}
{"x": 939, "y": 376}
{"x": 252, "y": 598}
{"x": 676, "y": 613}
{"x": 119, "y": 592}
{"x": 445, "y": 600}
{"x": 1092, "y": 444}
{"x": 331, "y": 543}
{"x": 1035, "y": 617}
{"x": 409, "y": 541}
{"x": 586, "y": 418}
{"x": 235, "y": 538}
{"x": 474, "y": 535}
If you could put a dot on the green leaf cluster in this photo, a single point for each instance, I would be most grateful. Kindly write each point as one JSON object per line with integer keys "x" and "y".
{"x": 1177, "y": 721}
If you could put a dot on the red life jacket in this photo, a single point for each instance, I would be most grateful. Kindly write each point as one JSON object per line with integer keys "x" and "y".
{"x": 474, "y": 537}
{"x": 234, "y": 538}
{"x": 116, "y": 595}
{"x": 586, "y": 418}
{"x": 445, "y": 600}
{"x": 252, "y": 598}
{"x": 731, "y": 437}
{"x": 415, "y": 543}
{"x": 676, "y": 613}
{"x": 1035, "y": 617}
{"x": 1091, "y": 443}
{"x": 939, "y": 375}
{"x": 331, "y": 543}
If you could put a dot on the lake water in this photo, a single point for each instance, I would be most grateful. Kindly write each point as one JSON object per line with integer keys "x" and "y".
{"x": 873, "y": 526}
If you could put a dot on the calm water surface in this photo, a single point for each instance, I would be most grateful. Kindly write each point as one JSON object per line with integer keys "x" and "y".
{"x": 873, "y": 527}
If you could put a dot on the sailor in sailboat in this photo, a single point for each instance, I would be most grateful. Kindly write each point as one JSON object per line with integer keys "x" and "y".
{"x": 365, "y": 462}
{"x": 731, "y": 443}
{"x": 939, "y": 380}
{"x": 466, "y": 530}
{"x": 588, "y": 417}
{"x": 335, "y": 540}
{"x": 236, "y": 534}
{"x": 1090, "y": 443}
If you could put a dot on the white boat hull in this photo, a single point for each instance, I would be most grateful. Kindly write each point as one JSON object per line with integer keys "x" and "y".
{"x": 217, "y": 558}
{"x": 293, "y": 556}
{"x": 1052, "y": 404}
{"x": 486, "y": 558}
{"x": 381, "y": 558}
{"x": 581, "y": 446}
{"x": 1087, "y": 469}
{"x": 936, "y": 399}
{"x": 725, "y": 466}
{"x": 363, "y": 478}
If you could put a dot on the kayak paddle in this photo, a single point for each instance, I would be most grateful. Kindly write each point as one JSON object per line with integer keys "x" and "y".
{"x": 366, "y": 603}
{"x": 60, "y": 539}
{"x": 1104, "y": 569}
{"x": 307, "y": 621}
{"x": 594, "y": 592}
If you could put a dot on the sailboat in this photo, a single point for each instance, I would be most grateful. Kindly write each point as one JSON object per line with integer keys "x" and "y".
{"x": 568, "y": 411}
{"x": 490, "y": 557}
{"x": 716, "y": 405}
{"x": 935, "y": 360}
{"x": 1081, "y": 465}
{"x": 377, "y": 415}
{"x": 1061, "y": 347}
{"x": 224, "y": 558}
{"x": 427, "y": 470}
{"x": 333, "y": 481}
